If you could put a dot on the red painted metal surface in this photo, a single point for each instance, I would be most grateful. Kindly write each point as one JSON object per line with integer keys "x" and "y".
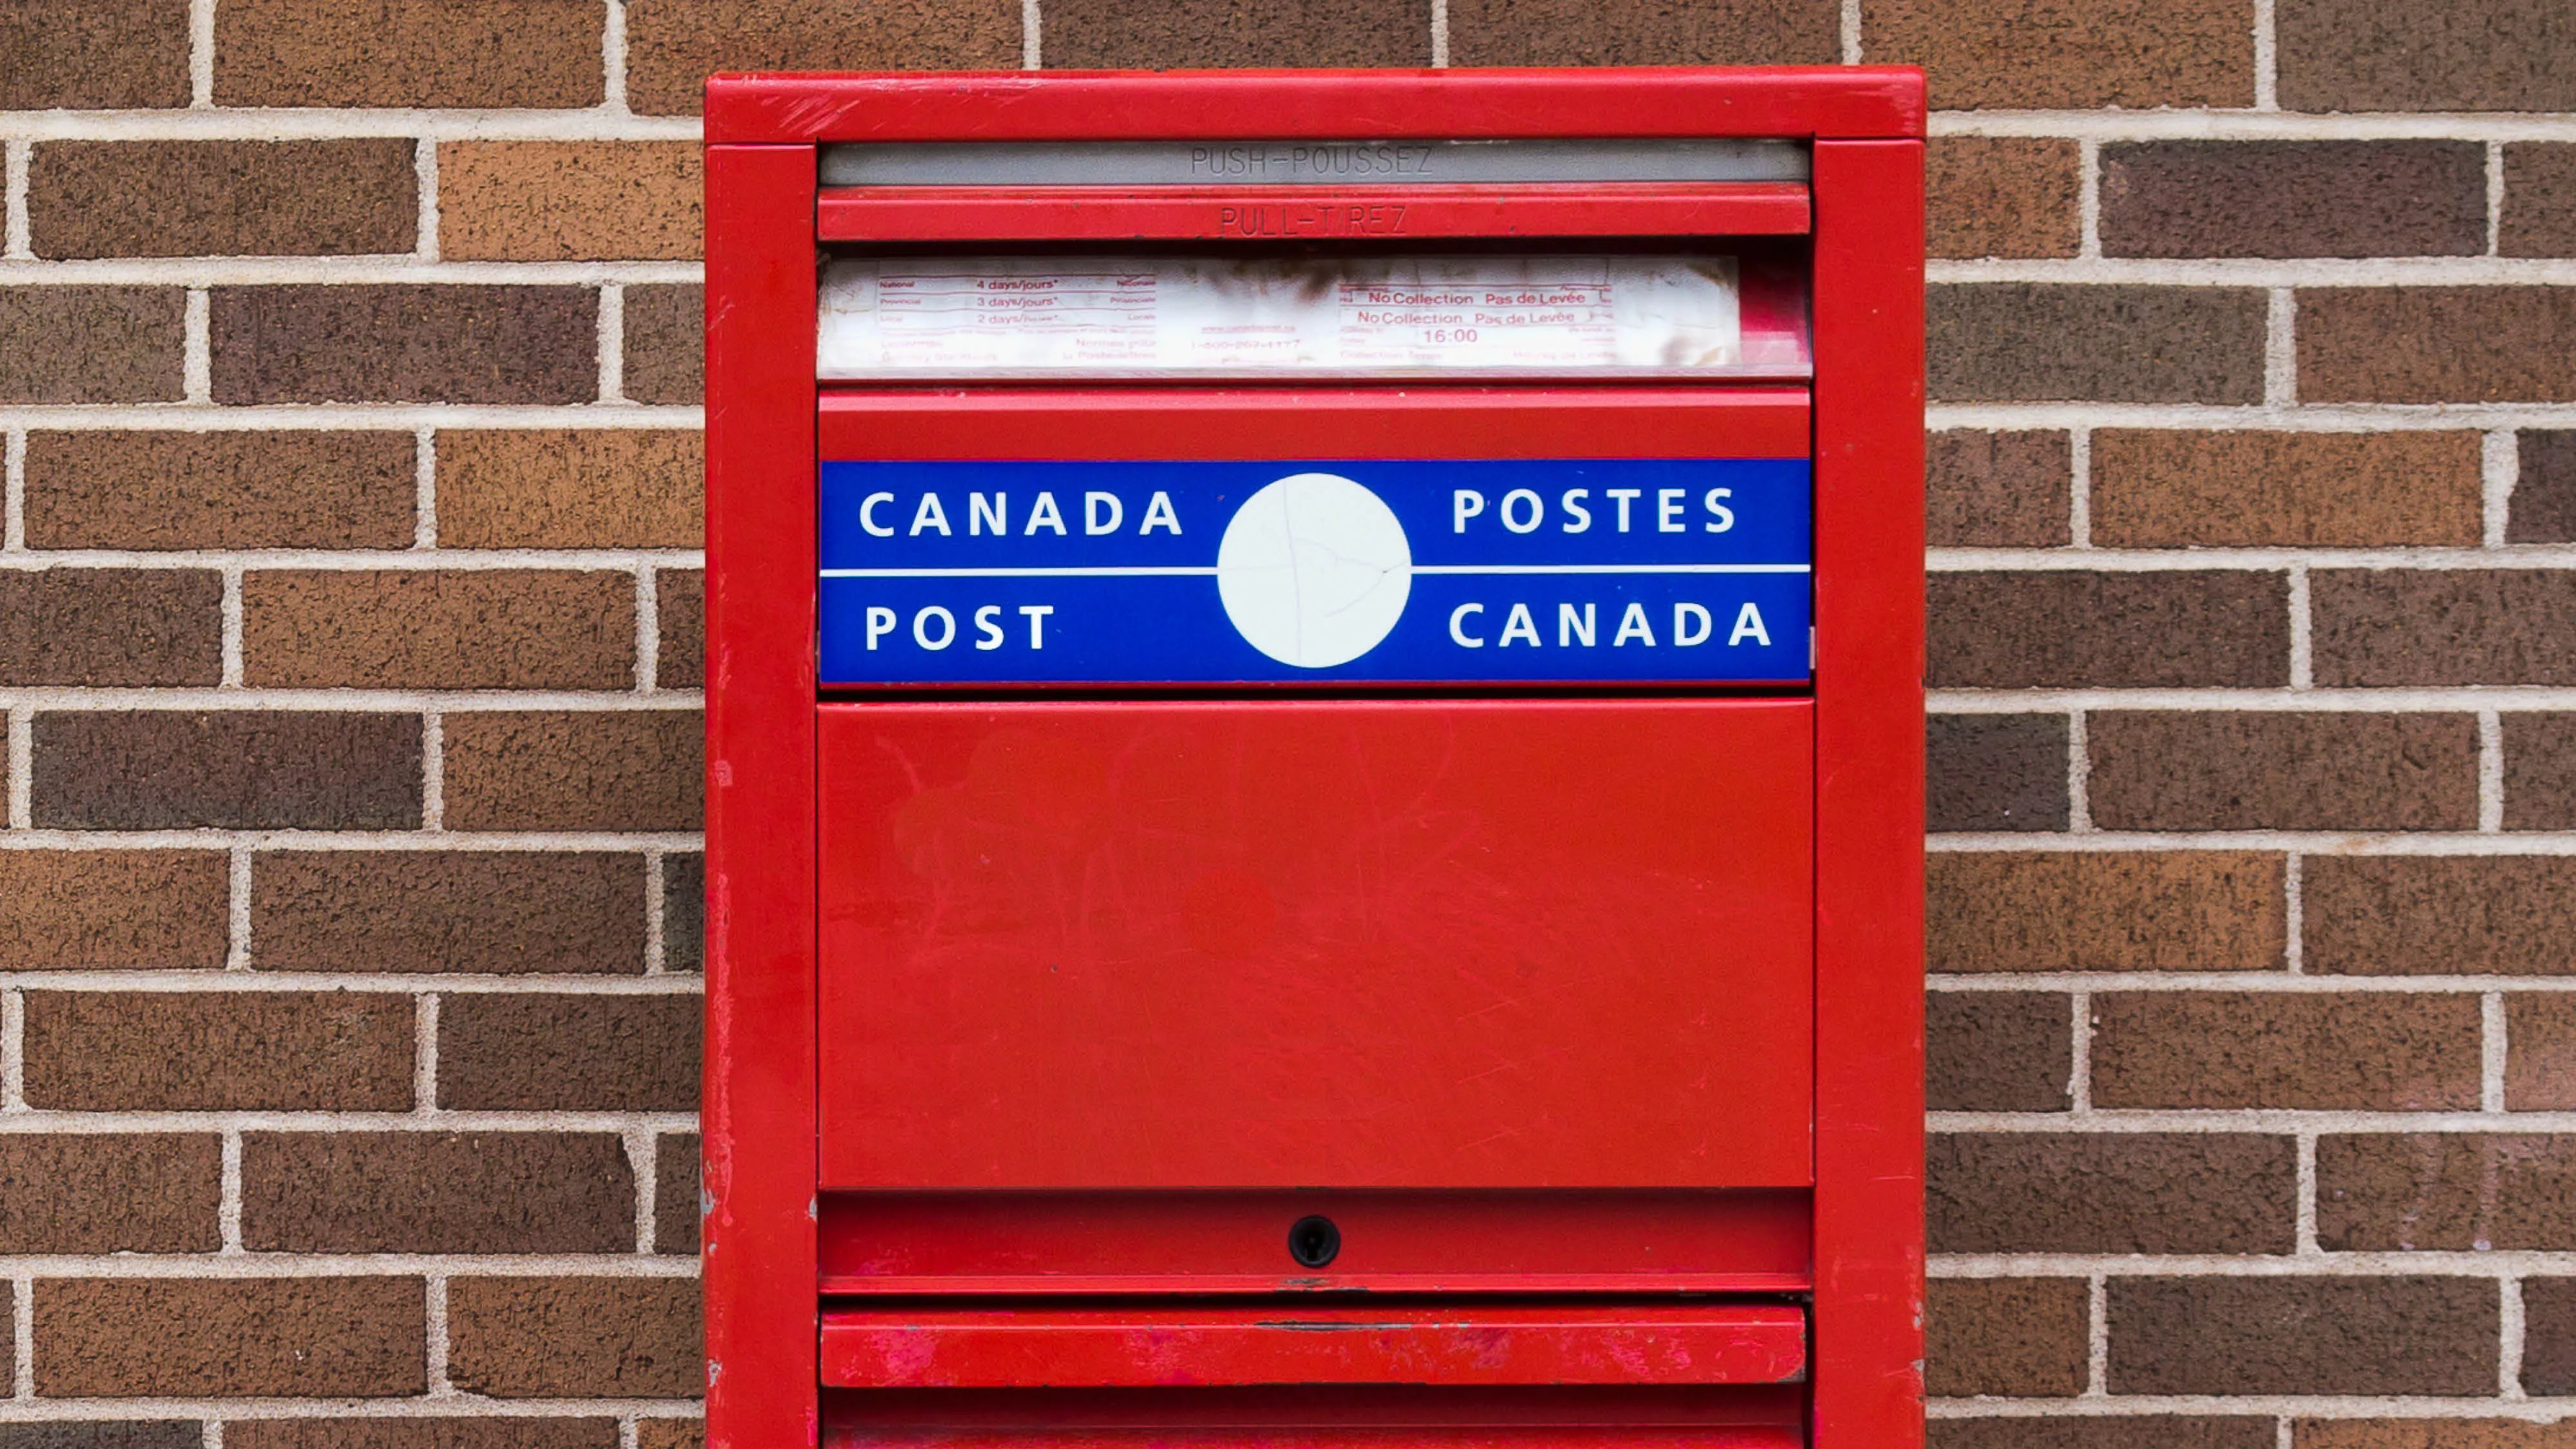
{"x": 1094, "y": 213}
{"x": 1375, "y": 1344}
{"x": 1371, "y": 944}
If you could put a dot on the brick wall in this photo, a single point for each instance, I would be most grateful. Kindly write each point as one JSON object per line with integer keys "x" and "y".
{"x": 349, "y": 613}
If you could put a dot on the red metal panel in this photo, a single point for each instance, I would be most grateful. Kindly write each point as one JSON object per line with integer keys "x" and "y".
{"x": 1222, "y": 423}
{"x": 1364, "y": 943}
{"x": 1094, "y": 213}
{"x": 1262, "y": 105}
{"x": 1174, "y": 1347}
{"x": 1869, "y": 794}
{"x": 759, "y": 1097}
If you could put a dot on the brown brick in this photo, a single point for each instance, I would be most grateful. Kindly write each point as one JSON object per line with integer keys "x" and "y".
{"x": 670, "y": 1434}
{"x": 502, "y": 1051}
{"x": 2100, "y": 911}
{"x": 2103, "y": 1192}
{"x": 2093, "y": 1431}
{"x": 2001, "y": 196}
{"x": 1997, "y": 1051}
{"x": 1110, "y": 34}
{"x": 2440, "y": 915}
{"x": 675, "y": 1193}
{"x": 381, "y": 1433}
{"x": 503, "y": 912}
{"x": 223, "y": 198}
{"x": 93, "y": 55}
{"x": 113, "y": 910}
{"x": 2432, "y": 1434}
{"x": 2444, "y": 626}
{"x": 2539, "y": 217}
{"x": 231, "y": 1337}
{"x": 91, "y": 344}
{"x": 439, "y": 629}
{"x": 569, "y": 201}
{"x": 481, "y": 53}
{"x": 2294, "y": 199}
{"x": 2436, "y": 344}
{"x": 551, "y": 1338}
{"x": 100, "y": 1433}
{"x": 2455, "y": 1191}
{"x": 2549, "y": 1335}
{"x": 2540, "y": 1051}
{"x": 2026, "y": 629}
{"x": 2461, "y": 55}
{"x": 1995, "y": 772}
{"x": 436, "y": 1192}
{"x": 592, "y": 770}
{"x": 2167, "y": 488}
{"x": 98, "y": 1192}
{"x": 2050, "y": 342}
{"x": 2303, "y": 1335}
{"x": 270, "y": 489}
{"x": 681, "y": 611}
{"x": 2539, "y": 771}
{"x": 684, "y": 920}
{"x": 1562, "y": 32}
{"x": 666, "y": 343}
{"x": 240, "y": 770}
{"x": 2257, "y": 770}
{"x": 218, "y": 1050}
{"x": 108, "y": 627}
{"x": 2374, "y": 1051}
{"x": 2542, "y": 508}
{"x": 673, "y": 45}
{"x": 1996, "y": 490}
{"x": 2019, "y": 1336}
{"x": 2069, "y": 54}
{"x": 405, "y": 343}
{"x": 566, "y": 488}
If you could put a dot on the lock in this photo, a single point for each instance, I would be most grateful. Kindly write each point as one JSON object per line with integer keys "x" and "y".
{"x": 1314, "y": 1242}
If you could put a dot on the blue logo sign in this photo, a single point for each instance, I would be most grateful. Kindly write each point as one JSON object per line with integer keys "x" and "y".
{"x": 1512, "y": 571}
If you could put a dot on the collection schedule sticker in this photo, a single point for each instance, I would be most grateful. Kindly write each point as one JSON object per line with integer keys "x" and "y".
{"x": 1571, "y": 571}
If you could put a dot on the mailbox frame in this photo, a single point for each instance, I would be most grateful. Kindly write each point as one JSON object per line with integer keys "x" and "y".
{"x": 764, "y": 218}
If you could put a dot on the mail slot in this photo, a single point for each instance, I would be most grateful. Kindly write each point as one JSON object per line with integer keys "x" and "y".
{"x": 1314, "y": 759}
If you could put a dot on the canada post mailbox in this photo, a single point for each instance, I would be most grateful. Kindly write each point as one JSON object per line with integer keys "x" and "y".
{"x": 1314, "y": 759}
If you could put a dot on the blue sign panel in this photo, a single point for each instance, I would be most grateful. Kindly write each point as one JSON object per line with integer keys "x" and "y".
{"x": 1515, "y": 571}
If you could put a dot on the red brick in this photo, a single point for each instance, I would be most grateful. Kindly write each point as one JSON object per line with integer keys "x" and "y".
{"x": 2376, "y": 1336}
{"x": 2432, "y": 1434}
{"x": 102, "y": 1433}
{"x": 231, "y": 1337}
{"x": 2162, "y": 628}
{"x": 1996, "y": 490}
{"x": 111, "y": 627}
{"x": 223, "y": 198}
{"x": 1561, "y": 32}
{"x": 100, "y": 1192}
{"x": 2068, "y": 54}
{"x": 207, "y": 1051}
{"x": 2539, "y": 771}
{"x": 2168, "y": 488}
{"x": 2461, "y": 55}
{"x": 673, "y": 45}
{"x": 405, "y": 343}
{"x": 1995, "y": 772}
{"x": 2020, "y": 1336}
{"x": 551, "y": 1338}
{"x": 269, "y": 489}
{"x": 436, "y": 1192}
{"x": 2294, "y": 199}
{"x": 478, "y": 53}
{"x": 93, "y": 55}
{"x": 2260, "y": 770}
{"x": 591, "y": 770}
{"x": 2001, "y": 196}
{"x": 525, "y": 1432}
{"x": 2103, "y": 911}
{"x": 1997, "y": 1051}
{"x": 2111, "y": 1192}
{"x": 2436, "y": 344}
{"x": 2454, "y": 1191}
{"x": 675, "y": 1193}
{"x": 439, "y": 629}
{"x": 681, "y": 609}
{"x": 2542, "y": 507}
{"x": 502, "y": 912}
{"x": 239, "y": 770}
{"x": 2539, "y": 217}
{"x": 570, "y": 201}
{"x": 2439, "y": 915}
{"x": 113, "y": 910}
{"x": 2397, "y": 627}
{"x": 2101, "y": 1431}
{"x": 2549, "y": 1336}
{"x": 566, "y": 488}
{"x": 2540, "y": 1051}
{"x": 2052, "y": 342}
{"x": 61, "y": 345}
{"x": 2315, "y": 1051}
{"x": 503, "y": 1051}
{"x": 666, "y": 343}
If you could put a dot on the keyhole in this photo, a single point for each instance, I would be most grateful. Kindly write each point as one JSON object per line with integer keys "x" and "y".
{"x": 1314, "y": 1242}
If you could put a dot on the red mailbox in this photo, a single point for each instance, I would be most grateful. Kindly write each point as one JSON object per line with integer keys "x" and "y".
{"x": 1314, "y": 758}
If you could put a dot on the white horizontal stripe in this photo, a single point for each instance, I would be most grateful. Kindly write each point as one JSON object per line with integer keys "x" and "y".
{"x": 211, "y": 838}
{"x": 2272, "y": 1121}
{"x": 391, "y": 416}
{"x": 382, "y": 268}
{"x": 596, "y": 123}
{"x": 146, "y": 698}
{"x": 2140, "y": 560}
{"x": 2306, "y": 842}
{"x": 1178, "y": 571}
{"x": 2334, "y": 417}
{"x": 2305, "y": 272}
{"x": 2311, "y": 1406}
{"x": 108, "y": 1123}
{"x": 2277, "y": 980}
{"x": 2415, "y": 700}
{"x": 289, "y": 560}
{"x": 256, "y": 979}
{"x": 2250, "y": 1265}
{"x": 437, "y": 1403}
{"x": 2236, "y": 125}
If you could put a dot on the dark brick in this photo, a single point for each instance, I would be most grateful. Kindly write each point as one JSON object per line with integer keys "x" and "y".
{"x": 666, "y": 344}
{"x": 2169, "y": 488}
{"x": 2440, "y": 915}
{"x": 2539, "y": 771}
{"x": 499, "y": 911}
{"x": 680, "y": 608}
{"x": 97, "y": 1192}
{"x": 1110, "y": 35}
{"x": 2020, "y": 1336}
{"x": 2542, "y": 508}
{"x": 283, "y": 770}
{"x": 2185, "y": 910}
{"x": 672, "y": 45}
{"x": 2315, "y": 1051}
{"x": 684, "y": 916}
{"x": 407, "y": 1433}
{"x": 1996, "y": 490}
{"x": 593, "y": 770}
{"x": 405, "y": 343}
{"x": 2025, "y": 629}
{"x": 670, "y": 1434}
{"x": 2093, "y": 1431}
{"x": 572, "y": 488}
{"x": 1995, "y": 772}
{"x": 2461, "y": 55}
{"x": 218, "y": 1050}
{"x": 675, "y": 1193}
{"x": 2540, "y": 1051}
{"x": 2432, "y": 1336}
{"x": 2436, "y": 344}
{"x": 505, "y": 1051}
{"x": 436, "y": 1192}
{"x": 100, "y": 1433}
{"x": 2294, "y": 199}
{"x": 508, "y": 54}
{"x": 1562, "y": 32}
{"x": 439, "y": 628}
{"x": 93, "y": 55}
{"x": 223, "y": 198}
{"x": 2260, "y": 770}
{"x": 2001, "y": 196}
{"x": 2455, "y": 1191}
{"x": 231, "y": 1337}
{"x": 2049, "y": 342}
{"x": 2549, "y": 1335}
{"x": 2444, "y": 626}
{"x": 2124, "y": 1192}
{"x": 268, "y": 489}
{"x": 2539, "y": 218}
{"x": 1997, "y": 1051}
{"x": 553, "y": 1338}
{"x": 2068, "y": 54}
{"x": 2431, "y": 1434}
{"x": 63, "y": 345}
{"x": 110, "y": 627}
{"x": 113, "y": 910}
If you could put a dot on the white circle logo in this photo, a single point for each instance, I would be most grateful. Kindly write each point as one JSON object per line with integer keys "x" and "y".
{"x": 1314, "y": 570}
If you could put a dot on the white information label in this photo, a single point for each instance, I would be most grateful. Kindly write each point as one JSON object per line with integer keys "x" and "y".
{"x": 1139, "y": 315}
